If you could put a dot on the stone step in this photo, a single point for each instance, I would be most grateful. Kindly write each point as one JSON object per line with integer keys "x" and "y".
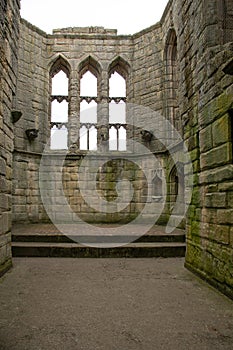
{"x": 75, "y": 250}
{"x": 60, "y": 238}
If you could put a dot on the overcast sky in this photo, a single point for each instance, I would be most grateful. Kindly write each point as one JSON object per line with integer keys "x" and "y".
{"x": 127, "y": 16}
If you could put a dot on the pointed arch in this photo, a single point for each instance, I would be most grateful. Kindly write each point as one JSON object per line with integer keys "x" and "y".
{"x": 89, "y": 71}
{"x": 170, "y": 52}
{"x": 171, "y": 79}
{"x": 174, "y": 182}
{"x": 177, "y": 170}
{"x": 176, "y": 186}
{"x": 170, "y": 56}
{"x": 59, "y": 63}
{"x": 119, "y": 65}
{"x": 118, "y": 72}
{"x": 89, "y": 64}
{"x": 157, "y": 184}
{"x": 59, "y": 102}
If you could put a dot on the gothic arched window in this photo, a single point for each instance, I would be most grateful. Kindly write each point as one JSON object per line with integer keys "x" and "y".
{"x": 89, "y": 73}
{"x": 176, "y": 187}
{"x": 88, "y": 112}
{"x": 171, "y": 79}
{"x": 59, "y": 107}
{"x": 118, "y": 73}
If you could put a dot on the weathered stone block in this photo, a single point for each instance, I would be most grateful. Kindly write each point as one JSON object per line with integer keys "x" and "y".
{"x": 5, "y": 221}
{"x": 225, "y": 216}
{"x": 4, "y": 201}
{"x": 206, "y": 139}
{"x": 231, "y": 236}
{"x": 215, "y": 200}
{"x": 3, "y": 184}
{"x": 2, "y": 166}
{"x": 220, "y": 233}
{"x": 230, "y": 199}
{"x": 221, "y": 131}
{"x": 209, "y": 215}
{"x": 218, "y": 156}
{"x": 227, "y": 186}
{"x": 215, "y": 108}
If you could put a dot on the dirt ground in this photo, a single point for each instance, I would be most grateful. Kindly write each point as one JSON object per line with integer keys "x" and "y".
{"x": 110, "y": 304}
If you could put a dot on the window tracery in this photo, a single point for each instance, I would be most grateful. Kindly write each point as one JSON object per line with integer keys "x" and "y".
{"x": 59, "y": 105}
{"x": 117, "y": 105}
{"x": 88, "y": 111}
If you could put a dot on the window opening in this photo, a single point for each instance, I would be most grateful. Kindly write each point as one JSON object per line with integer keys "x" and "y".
{"x": 157, "y": 185}
{"x": 117, "y": 112}
{"x": 88, "y": 112}
{"x": 59, "y": 111}
{"x": 172, "y": 112}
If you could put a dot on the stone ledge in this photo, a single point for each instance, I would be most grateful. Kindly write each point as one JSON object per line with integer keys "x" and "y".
{"x": 33, "y": 27}
{"x": 85, "y": 30}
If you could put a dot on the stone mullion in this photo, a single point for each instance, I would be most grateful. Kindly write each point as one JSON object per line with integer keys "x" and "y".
{"x": 117, "y": 130}
{"x": 103, "y": 111}
{"x": 74, "y": 109}
{"x": 130, "y": 100}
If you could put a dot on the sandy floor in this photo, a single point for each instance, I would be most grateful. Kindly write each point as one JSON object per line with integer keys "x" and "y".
{"x": 110, "y": 304}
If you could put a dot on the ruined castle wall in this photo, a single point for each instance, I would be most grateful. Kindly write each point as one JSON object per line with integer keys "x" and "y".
{"x": 32, "y": 88}
{"x": 148, "y": 68}
{"x": 142, "y": 54}
{"x": 205, "y": 103}
{"x": 9, "y": 31}
{"x": 175, "y": 68}
{"x": 104, "y": 50}
{"x": 38, "y": 52}
{"x": 150, "y": 81}
{"x": 32, "y": 100}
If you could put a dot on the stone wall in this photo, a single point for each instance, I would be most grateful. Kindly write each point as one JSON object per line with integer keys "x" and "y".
{"x": 27, "y": 206}
{"x": 180, "y": 68}
{"x": 148, "y": 69}
{"x": 32, "y": 99}
{"x": 9, "y": 32}
{"x": 32, "y": 88}
{"x": 91, "y": 182}
{"x": 205, "y": 105}
{"x": 74, "y": 47}
{"x": 139, "y": 57}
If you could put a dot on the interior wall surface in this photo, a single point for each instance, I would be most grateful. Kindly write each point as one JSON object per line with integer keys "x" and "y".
{"x": 180, "y": 68}
{"x": 9, "y": 33}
